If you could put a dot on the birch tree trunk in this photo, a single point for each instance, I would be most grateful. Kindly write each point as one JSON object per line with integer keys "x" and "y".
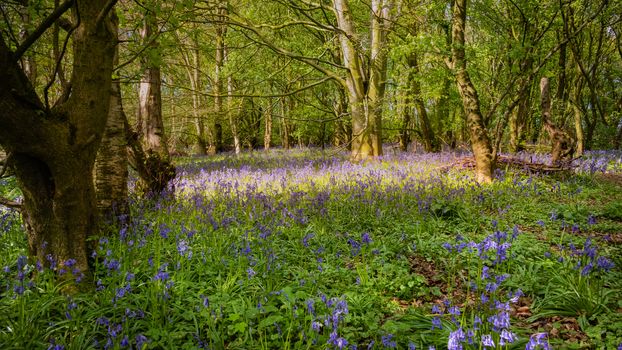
{"x": 111, "y": 164}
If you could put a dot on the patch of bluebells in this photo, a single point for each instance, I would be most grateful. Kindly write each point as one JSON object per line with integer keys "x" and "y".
{"x": 491, "y": 326}
{"x": 337, "y": 310}
{"x": 587, "y": 260}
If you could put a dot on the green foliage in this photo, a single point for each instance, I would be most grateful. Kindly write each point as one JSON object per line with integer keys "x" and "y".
{"x": 250, "y": 256}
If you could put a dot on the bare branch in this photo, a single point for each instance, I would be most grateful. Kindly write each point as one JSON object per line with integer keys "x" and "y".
{"x": 10, "y": 204}
{"x": 47, "y": 23}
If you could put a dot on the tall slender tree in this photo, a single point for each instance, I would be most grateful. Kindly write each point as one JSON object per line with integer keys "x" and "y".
{"x": 480, "y": 143}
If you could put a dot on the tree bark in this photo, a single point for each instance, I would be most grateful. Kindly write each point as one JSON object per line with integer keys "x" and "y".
{"x": 54, "y": 150}
{"x": 562, "y": 144}
{"x": 362, "y": 125}
{"x": 220, "y": 60}
{"x": 414, "y": 100}
{"x": 233, "y": 117}
{"x": 480, "y": 143}
{"x": 151, "y": 123}
{"x": 267, "y": 135}
{"x": 285, "y": 132}
{"x": 111, "y": 164}
{"x": 365, "y": 86}
{"x": 28, "y": 63}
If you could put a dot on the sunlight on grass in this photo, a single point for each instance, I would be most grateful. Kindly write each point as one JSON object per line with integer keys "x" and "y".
{"x": 276, "y": 250}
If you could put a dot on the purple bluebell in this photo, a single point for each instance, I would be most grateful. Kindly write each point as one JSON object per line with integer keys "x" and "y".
{"x": 388, "y": 342}
{"x": 487, "y": 341}
{"x": 538, "y": 341}
{"x": 436, "y": 323}
{"x": 507, "y": 337}
{"x": 455, "y": 339}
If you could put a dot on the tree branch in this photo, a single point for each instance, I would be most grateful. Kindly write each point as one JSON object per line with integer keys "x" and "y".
{"x": 47, "y": 23}
{"x": 104, "y": 12}
{"x": 9, "y": 203}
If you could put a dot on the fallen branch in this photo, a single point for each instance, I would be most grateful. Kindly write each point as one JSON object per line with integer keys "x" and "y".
{"x": 469, "y": 163}
{"x": 10, "y": 204}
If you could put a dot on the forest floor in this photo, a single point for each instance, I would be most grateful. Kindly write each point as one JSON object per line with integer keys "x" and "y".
{"x": 303, "y": 249}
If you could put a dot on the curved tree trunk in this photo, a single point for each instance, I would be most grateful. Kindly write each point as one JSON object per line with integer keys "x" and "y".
{"x": 482, "y": 150}
{"x": 54, "y": 151}
{"x": 111, "y": 173}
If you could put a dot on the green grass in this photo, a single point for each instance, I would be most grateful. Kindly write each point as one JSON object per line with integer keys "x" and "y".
{"x": 254, "y": 252}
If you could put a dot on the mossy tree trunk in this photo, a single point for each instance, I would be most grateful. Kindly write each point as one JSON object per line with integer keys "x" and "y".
{"x": 480, "y": 143}
{"x": 54, "y": 150}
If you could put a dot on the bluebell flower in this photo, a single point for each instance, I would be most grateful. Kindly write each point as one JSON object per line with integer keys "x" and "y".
{"x": 305, "y": 240}
{"x": 487, "y": 341}
{"x": 436, "y": 323}
{"x": 485, "y": 274}
{"x": 538, "y": 341}
{"x": 500, "y": 321}
{"x": 340, "y": 343}
{"x": 477, "y": 322}
{"x": 125, "y": 341}
{"x": 604, "y": 263}
{"x": 388, "y": 342}
{"x": 454, "y": 310}
{"x": 507, "y": 337}
{"x": 411, "y": 346}
{"x": 591, "y": 220}
{"x": 365, "y": 238}
{"x": 455, "y": 340}
{"x": 310, "y": 307}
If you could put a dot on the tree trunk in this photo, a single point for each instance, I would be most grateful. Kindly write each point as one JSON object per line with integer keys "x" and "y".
{"x": 150, "y": 96}
{"x": 562, "y": 144}
{"x": 404, "y": 136}
{"x": 233, "y": 117}
{"x": 267, "y": 135}
{"x": 414, "y": 98}
{"x": 220, "y": 60}
{"x": 480, "y": 143}
{"x": 285, "y": 137}
{"x": 193, "y": 69}
{"x": 578, "y": 127}
{"x": 54, "y": 151}
{"x": 518, "y": 119}
{"x": 28, "y": 63}
{"x": 342, "y": 133}
{"x": 111, "y": 173}
{"x": 362, "y": 125}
